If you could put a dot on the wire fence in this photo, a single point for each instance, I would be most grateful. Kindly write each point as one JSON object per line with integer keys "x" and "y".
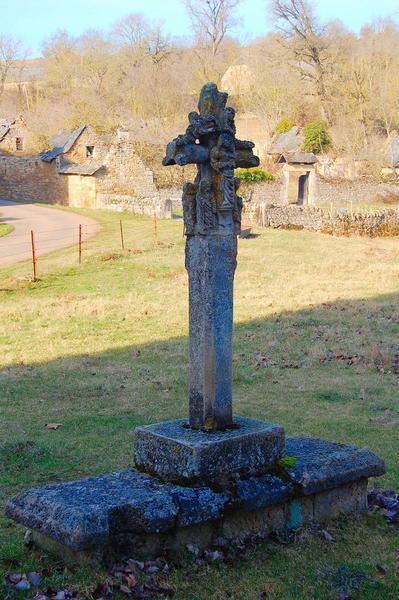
{"x": 126, "y": 236}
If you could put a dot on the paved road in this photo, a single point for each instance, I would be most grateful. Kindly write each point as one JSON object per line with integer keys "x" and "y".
{"x": 54, "y": 229}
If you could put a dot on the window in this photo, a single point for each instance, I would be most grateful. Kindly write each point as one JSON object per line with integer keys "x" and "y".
{"x": 19, "y": 144}
{"x": 89, "y": 151}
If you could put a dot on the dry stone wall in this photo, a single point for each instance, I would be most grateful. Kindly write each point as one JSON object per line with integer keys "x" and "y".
{"x": 287, "y": 216}
{"x": 373, "y": 224}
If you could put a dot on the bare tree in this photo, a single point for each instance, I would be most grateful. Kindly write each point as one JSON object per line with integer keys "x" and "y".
{"x": 11, "y": 51}
{"x": 131, "y": 31}
{"x": 158, "y": 45}
{"x": 307, "y": 41}
{"x": 211, "y": 21}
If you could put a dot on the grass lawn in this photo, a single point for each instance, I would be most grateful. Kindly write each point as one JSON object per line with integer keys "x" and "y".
{"x": 102, "y": 348}
{"x": 5, "y": 229}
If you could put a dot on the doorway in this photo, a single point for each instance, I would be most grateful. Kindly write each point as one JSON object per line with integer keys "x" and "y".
{"x": 303, "y": 188}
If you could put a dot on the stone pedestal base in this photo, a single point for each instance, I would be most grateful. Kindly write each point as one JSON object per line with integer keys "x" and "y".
{"x": 174, "y": 452}
{"x": 127, "y": 513}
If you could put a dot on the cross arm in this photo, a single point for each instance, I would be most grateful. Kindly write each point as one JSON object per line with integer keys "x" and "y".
{"x": 245, "y": 158}
{"x": 185, "y": 154}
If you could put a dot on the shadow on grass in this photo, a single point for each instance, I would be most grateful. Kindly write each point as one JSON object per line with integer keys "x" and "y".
{"x": 326, "y": 371}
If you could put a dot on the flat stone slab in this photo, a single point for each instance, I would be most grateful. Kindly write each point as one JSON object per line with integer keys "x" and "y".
{"x": 322, "y": 465}
{"x": 128, "y": 505}
{"x": 84, "y": 514}
{"x": 174, "y": 452}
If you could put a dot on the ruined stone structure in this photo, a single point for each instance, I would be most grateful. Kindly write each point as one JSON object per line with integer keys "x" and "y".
{"x": 84, "y": 169}
{"x": 213, "y": 474}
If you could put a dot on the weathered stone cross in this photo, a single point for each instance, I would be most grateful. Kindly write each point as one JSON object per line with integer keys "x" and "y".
{"x": 212, "y": 218}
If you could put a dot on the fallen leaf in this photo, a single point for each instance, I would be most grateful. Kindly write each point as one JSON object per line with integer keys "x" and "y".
{"x": 131, "y": 581}
{"x": 327, "y": 536}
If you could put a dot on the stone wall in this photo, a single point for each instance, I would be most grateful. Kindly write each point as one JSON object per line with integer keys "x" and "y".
{"x": 29, "y": 178}
{"x": 359, "y": 191}
{"x": 261, "y": 192}
{"x": 338, "y": 192}
{"x": 373, "y": 224}
{"x": 141, "y": 206}
{"x": 287, "y": 216}
{"x": 82, "y": 191}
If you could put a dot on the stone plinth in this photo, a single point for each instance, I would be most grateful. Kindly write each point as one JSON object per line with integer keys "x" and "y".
{"x": 175, "y": 452}
{"x": 128, "y": 513}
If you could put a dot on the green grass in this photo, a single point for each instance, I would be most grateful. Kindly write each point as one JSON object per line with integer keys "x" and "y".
{"x": 5, "y": 229}
{"x": 102, "y": 348}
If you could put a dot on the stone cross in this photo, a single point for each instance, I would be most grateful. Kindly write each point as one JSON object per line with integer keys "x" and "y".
{"x": 212, "y": 218}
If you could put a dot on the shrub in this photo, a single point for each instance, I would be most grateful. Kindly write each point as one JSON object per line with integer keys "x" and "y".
{"x": 253, "y": 175}
{"x": 317, "y": 139}
{"x": 284, "y": 125}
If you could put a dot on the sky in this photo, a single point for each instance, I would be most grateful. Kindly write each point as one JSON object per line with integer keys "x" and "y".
{"x": 34, "y": 20}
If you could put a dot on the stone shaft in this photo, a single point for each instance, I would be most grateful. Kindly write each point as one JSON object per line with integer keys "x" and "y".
{"x": 211, "y": 262}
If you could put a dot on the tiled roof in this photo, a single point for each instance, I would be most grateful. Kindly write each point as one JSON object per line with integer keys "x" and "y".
{"x": 86, "y": 169}
{"x": 307, "y": 158}
{"x": 5, "y": 128}
{"x": 61, "y": 143}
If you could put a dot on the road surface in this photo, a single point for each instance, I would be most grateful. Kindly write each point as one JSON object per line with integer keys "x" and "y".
{"x": 53, "y": 229}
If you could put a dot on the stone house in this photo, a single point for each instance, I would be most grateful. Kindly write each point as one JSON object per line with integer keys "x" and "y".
{"x": 14, "y": 136}
{"x": 85, "y": 169}
{"x": 238, "y": 78}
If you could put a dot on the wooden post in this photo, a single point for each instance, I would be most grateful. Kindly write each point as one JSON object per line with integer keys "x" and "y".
{"x": 121, "y": 230}
{"x": 80, "y": 244}
{"x": 32, "y": 239}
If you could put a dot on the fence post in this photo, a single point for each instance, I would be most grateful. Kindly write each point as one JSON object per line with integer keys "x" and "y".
{"x": 32, "y": 239}
{"x": 80, "y": 243}
{"x": 155, "y": 226}
{"x": 121, "y": 230}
